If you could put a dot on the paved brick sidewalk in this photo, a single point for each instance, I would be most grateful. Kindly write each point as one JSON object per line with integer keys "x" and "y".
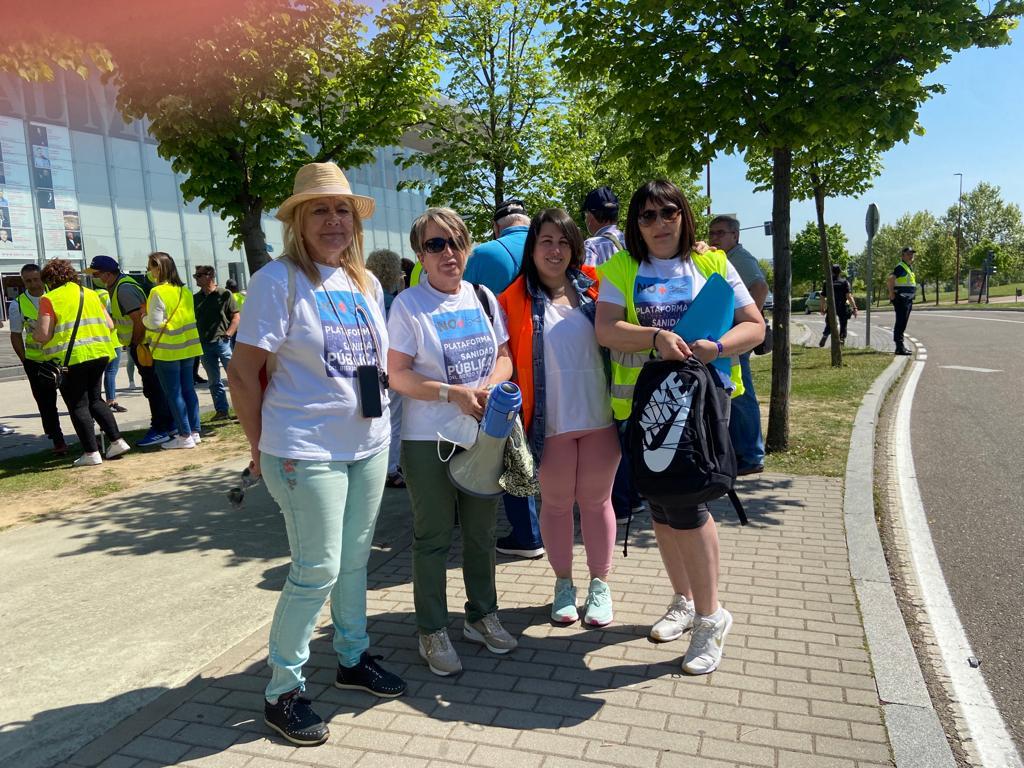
{"x": 795, "y": 688}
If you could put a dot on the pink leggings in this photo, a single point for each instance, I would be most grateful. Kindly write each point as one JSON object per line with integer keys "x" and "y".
{"x": 579, "y": 466}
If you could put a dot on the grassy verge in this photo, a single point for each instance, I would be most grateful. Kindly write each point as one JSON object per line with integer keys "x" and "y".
{"x": 38, "y": 484}
{"x": 822, "y": 406}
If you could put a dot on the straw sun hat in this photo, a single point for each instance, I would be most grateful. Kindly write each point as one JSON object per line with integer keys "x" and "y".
{"x": 323, "y": 180}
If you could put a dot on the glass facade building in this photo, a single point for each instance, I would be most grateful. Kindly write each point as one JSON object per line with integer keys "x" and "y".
{"x": 77, "y": 181}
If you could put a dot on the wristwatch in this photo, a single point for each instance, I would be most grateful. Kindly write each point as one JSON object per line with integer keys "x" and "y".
{"x": 442, "y": 393}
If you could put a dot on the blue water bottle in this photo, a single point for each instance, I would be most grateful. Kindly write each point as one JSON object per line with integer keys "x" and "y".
{"x": 503, "y": 406}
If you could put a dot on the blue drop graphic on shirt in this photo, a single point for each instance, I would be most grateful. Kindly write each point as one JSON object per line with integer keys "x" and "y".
{"x": 660, "y": 302}
{"x": 346, "y": 344}
{"x": 467, "y": 345}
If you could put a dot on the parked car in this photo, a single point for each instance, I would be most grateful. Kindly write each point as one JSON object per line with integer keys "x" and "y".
{"x": 813, "y": 302}
{"x": 769, "y": 302}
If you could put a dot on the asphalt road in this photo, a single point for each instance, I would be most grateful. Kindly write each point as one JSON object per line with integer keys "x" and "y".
{"x": 968, "y": 445}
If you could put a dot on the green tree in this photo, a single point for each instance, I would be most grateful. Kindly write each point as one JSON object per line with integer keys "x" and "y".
{"x": 806, "y": 250}
{"x": 698, "y": 78}
{"x": 987, "y": 218}
{"x": 240, "y": 110}
{"x": 485, "y": 135}
{"x": 935, "y": 260}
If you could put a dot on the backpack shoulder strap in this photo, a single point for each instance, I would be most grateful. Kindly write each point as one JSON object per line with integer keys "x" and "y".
{"x": 738, "y": 506}
{"x": 485, "y": 302}
{"x": 614, "y": 240}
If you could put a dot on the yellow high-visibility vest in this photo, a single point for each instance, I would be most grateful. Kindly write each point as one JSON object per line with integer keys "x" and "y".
{"x": 907, "y": 283}
{"x": 92, "y": 341}
{"x": 30, "y": 316}
{"x": 122, "y": 324}
{"x": 179, "y": 339}
{"x": 621, "y": 270}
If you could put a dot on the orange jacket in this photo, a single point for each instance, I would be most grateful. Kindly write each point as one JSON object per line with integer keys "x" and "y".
{"x": 518, "y": 306}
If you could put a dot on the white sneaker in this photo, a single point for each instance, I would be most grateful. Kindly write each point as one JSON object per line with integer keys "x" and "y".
{"x": 88, "y": 460}
{"x": 706, "y": 644}
{"x": 118, "y": 447}
{"x": 178, "y": 442}
{"x": 677, "y": 619}
{"x": 196, "y": 438}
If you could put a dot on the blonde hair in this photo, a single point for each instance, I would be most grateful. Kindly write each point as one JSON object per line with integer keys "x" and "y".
{"x": 446, "y": 219}
{"x": 351, "y": 257}
{"x": 387, "y": 266}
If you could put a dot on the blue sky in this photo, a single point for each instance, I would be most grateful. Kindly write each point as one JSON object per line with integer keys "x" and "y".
{"x": 976, "y": 128}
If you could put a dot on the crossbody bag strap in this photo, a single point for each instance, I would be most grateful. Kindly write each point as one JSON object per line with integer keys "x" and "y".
{"x": 168, "y": 320}
{"x": 78, "y": 320}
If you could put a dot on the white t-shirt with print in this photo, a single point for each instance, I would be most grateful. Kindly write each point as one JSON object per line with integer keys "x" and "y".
{"x": 311, "y": 408}
{"x": 450, "y": 339}
{"x": 575, "y": 384}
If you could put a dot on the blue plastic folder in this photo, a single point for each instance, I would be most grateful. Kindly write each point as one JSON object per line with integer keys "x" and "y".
{"x": 710, "y": 315}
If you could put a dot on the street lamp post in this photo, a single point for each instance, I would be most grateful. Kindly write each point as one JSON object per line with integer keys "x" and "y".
{"x": 959, "y": 225}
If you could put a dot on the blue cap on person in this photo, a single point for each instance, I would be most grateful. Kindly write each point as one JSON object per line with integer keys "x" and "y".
{"x": 315, "y": 180}
{"x": 103, "y": 264}
{"x": 602, "y": 200}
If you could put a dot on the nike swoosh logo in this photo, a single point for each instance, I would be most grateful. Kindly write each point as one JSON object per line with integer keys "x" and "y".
{"x": 663, "y": 433}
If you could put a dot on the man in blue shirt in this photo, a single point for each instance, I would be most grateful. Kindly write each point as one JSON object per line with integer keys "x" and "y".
{"x": 496, "y": 263}
{"x": 601, "y": 209}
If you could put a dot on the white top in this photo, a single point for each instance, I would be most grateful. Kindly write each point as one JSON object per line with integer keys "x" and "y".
{"x": 311, "y": 408}
{"x": 450, "y": 340}
{"x": 14, "y": 315}
{"x": 575, "y": 385}
{"x": 665, "y": 288}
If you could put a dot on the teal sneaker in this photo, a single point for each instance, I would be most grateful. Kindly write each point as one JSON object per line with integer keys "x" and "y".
{"x": 599, "y": 604}
{"x": 563, "y": 607}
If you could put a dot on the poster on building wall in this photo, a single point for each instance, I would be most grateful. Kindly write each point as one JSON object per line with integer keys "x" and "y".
{"x": 54, "y": 179}
{"x": 17, "y": 208}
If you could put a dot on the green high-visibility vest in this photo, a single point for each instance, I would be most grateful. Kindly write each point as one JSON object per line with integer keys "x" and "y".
{"x": 621, "y": 271}
{"x": 417, "y": 272}
{"x": 30, "y": 316}
{"x": 92, "y": 341}
{"x": 105, "y": 298}
{"x": 178, "y": 339}
{"x": 122, "y": 324}
{"x": 906, "y": 283}
{"x": 239, "y": 300}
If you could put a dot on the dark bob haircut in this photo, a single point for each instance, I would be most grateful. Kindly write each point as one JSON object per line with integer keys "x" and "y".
{"x": 564, "y": 222}
{"x": 660, "y": 192}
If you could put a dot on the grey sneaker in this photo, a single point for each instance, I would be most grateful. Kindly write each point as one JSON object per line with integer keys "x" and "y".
{"x": 489, "y": 632}
{"x": 677, "y": 619}
{"x": 436, "y": 649}
{"x": 706, "y": 644}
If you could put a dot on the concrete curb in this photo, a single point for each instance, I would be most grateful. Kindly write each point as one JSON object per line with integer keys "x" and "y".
{"x": 915, "y": 733}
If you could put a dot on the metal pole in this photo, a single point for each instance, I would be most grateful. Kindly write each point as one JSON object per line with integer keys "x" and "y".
{"x": 959, "y": 212}
{"x": 709, "y": 187}
{"x": 867, "y": 311}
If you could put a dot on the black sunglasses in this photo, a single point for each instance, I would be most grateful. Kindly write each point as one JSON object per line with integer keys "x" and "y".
{"x": 437, "y": 244}
{"x": 668, "y": 213}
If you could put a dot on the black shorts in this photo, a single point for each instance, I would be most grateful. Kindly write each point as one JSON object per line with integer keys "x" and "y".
{"x": 680, "y": 518}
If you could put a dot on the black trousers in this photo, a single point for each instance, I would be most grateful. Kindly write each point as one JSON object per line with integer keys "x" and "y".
{"x": 160, "y": 418}
{"x": 82, "y": 390}
{"x": 844, "y": 318}
{"x": 903, "y": 305}
{"x": 46, "y": 402}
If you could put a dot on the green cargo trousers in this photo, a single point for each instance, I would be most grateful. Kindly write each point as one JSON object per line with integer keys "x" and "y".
{"x": 434, "y": 504}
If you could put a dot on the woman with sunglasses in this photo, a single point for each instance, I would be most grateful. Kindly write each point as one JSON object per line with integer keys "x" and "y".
{"x": 559, "y": 368}
{"x": 449, "y": 347}
{"x": 318, "y": 434}
{"x": 644, "y": 292}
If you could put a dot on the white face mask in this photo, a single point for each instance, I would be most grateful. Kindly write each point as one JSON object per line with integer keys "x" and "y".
{"x": 460, "y": 431}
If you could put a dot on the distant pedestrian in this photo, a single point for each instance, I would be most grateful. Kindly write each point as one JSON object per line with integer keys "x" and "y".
{"x": 87, "y": 349}
{"x": 24, "y": 314}
{"x": 902, "y": 291}
{"x": 172, "y": 337}
{"x": 110, "y": 374}
{"x": 386, "y": 265}
{"x": 846, "y": 305}
{"x": 601, "y": 212}
{"x": 216, "y": 322}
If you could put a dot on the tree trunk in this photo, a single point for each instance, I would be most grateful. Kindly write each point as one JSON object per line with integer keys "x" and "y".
{"x": 777, "y": 438}
{"x": 826, "y": 265}
{"x": 253, "y": 237}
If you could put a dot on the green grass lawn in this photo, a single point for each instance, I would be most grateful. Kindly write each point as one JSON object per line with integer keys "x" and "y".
{"x": 822, "y": 406}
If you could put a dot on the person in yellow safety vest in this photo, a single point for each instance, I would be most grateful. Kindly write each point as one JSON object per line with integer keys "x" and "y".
{"x": 110, "y": 374}
{"x": 74, "y": 330}
{"x": 24, "y": 314}
{"x": 239, "y": 297}
{"x": 174, "y": 341}
{"x": 644, "y": 291}
{"x": 902, "y": 291}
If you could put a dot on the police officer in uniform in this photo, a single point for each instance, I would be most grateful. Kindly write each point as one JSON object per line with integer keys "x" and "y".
{"x": 902, "y": 290}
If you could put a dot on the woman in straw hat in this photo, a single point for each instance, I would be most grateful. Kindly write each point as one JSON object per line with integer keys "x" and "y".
{"x": 319, "y": 433}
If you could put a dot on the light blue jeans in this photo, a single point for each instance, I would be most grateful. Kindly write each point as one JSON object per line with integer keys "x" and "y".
{"x": 178, "y": 385}
{"x": 745, "y": 423}
{"x": 215, "y": 354}
{"x": 110, "y": 375}
{"x": 330, "y": 510}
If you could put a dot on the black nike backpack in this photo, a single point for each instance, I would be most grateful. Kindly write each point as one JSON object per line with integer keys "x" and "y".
{"x": 678, "y": 436}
